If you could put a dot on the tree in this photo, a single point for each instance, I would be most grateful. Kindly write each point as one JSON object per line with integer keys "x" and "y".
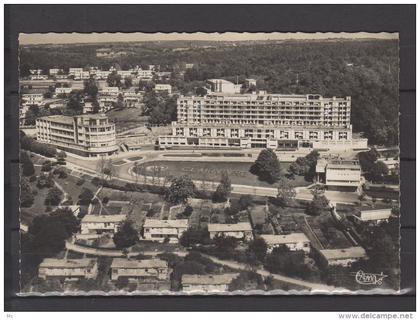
{"x": 290, "y": 263}
{"x": 378, "y": 171}
{"x": 90, "y": 88}
{"x": 318, "y": 204}
{"x": 200, "y": 91}
{"x": 245, "y": 201}
{"x": 224, "y": 189}
{"x": 257, "y": 248}
{"x": 105, "y": 168}
{"x": 196, "y": 256}
{"x": 225, "y": 246}
{"x": 26, "y": 196}
{"x": 86, "y": 196}
{"x": 27, "y": 165}
{"x": 74, "y": 105}
{"x": 114, "y": 79}
{"x": 45, "y": 181}
{"x": 46, "y": 166}
{"x": 126, "y": 236}
{"x": 53, "y": 197}
{"x": 194, "y": 236}
{"x": 246, "y": 281}
{"x": 180, "y": 190}
{"x": 121, "y": 283}
{"x": 187, "y": 211}
{"x": 128, "y": 82}
{"x": 45, "y": 238}
{"x": 267, "y": 166}
{"x": 305, "y": 166}
{"x": 161, "y": 109}
{"x": 286, "y": 193}
{"x": 367, "y": 159}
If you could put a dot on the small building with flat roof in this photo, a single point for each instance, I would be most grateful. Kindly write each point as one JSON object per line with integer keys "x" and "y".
{"x": 294, "y": 241}
{"x": 139, "y": 269}
{"x": 342, "y": 257}
{"x": 207, "y": 283}
{"x": 97, "y": 224}
{"x": 159, "y": 230}
{"x": 241, "y": 230}
{"x": 373, "y": 216}
{"x": 68, "y": 268}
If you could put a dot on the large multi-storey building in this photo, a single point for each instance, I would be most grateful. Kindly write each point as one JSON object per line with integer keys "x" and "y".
{"x": 264, "y": 120}
{"x": 85, "y": 135}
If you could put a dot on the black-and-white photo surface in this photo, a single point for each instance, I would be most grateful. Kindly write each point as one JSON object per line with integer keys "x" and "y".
{"x": 209, "y": 163}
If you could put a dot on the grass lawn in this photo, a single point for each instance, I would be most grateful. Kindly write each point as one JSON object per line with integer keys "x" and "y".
{"x": 69, "y": 184}
{"x": 127, "y": 118}
{"x": 211, "y": 171}
{"x": 140, "y": 203}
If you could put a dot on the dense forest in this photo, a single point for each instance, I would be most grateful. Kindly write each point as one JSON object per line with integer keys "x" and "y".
{"x": 366, "y": 70}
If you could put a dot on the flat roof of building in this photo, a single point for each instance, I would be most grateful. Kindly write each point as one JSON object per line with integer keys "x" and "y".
{"x": 138, "y": 264}
{"x": 103, "y": 218}
{"x": 155, "y": 223}
{"x": 67, "y": 263}
{"x": 220, "y": 80}
{"x": 69, "y": 119}
{"x": 225, "y": 227}
{"x": 347, "y": 253}
{"x": 374, "y": 214}
{"x": 342, "y": 166}
{"x": 208, "y": 279}
{"x": 259, "y": 96}
{"x": 272, "y": 239}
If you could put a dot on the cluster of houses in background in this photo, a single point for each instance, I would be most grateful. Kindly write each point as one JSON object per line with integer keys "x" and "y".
{"x": 37, "y": 84}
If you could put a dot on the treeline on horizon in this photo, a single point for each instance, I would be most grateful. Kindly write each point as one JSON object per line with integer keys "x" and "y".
{"x": 365, "y": 70}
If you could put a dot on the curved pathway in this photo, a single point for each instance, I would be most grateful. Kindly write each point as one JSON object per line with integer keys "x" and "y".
{"x": 314, "y": 287}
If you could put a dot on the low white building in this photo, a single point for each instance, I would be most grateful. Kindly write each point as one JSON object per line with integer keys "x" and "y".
{"x": 339, "y": 173}
{"x": 159, "y": 87}
{"x": 106, "y": 102}
{"x": 63, "y": 90}
{"x": 373, "y": 216}
{"x": 241, "y": 230}
{"x": 101, "y": 224}
{"x": 88, "y": 107}
{"x": 207, "y": 283}
{"x": 55, "y": 71}
{"x": 342, "y": 257}
{"x": 145, "y": 74}
{"x": 74, "y": 71}
{"x": 250, "y": 83}
{"x": 139, "y": 269}
{"x": 294, "y": 241}
{"x": 125, "y": 73}
{"x": 84, "y": 75}
{"x": 159, "y": 230}
{"x": 29, "y": 99}
{"x": 224, "y": 86}
{"x": 68, "y": 268}
{"x": 38, "y": 77}
{"x": 112, "y": 91}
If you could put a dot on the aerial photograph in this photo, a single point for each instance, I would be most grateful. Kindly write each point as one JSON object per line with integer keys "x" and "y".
{"x": 209, "y": 163}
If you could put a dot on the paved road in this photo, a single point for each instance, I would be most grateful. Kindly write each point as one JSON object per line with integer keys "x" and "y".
{"x": 314, "y": 287}
{"x": 70, "y": 245}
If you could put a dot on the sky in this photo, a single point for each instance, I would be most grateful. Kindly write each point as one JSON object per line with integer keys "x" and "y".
{"x": 63, "y": 38}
